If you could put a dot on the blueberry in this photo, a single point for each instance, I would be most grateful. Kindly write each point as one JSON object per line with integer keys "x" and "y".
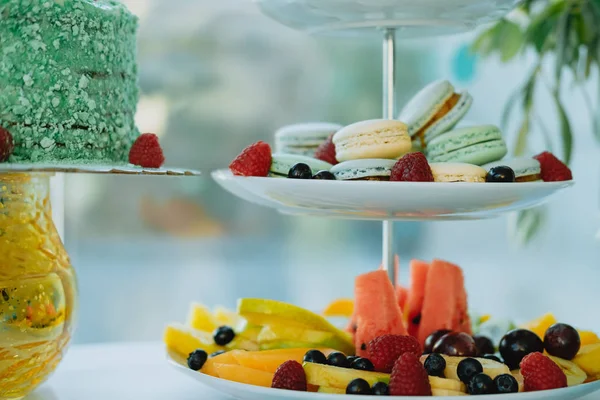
{"x": 506, "y": 383}
{"x": 358, "y": 386}
{"x": 435, "y": 365}
{"x": 337, "y": 359}
{"x": 223, "y": 335}
{"x": 493, "y": 358}
{"x": 481, "y": 384}
{"x": 325, "y": 176}
{"x": 468, "y": 368}
{"x": 315, "y": 357}
{"x": 300, "y": 171}
{"x": 351, "y": 359}
{"x": 196, "y": 360}
{"x": 362, "y": 364}
{"x": 217, "y": 353}
{"x": 501, "y": 174}
{"x": 381, "y": 389}
{"x": 484, "y": 345}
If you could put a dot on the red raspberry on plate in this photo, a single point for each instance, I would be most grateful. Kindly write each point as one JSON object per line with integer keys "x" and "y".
{"x": 290, "y": 376}
{"x": 7, "y": 145}
{"x": 385, "y": 350}
{"x": 541, "y": 373}
{"x": 409, "y": 377}
{"x": 326, "y": 151}
{"x": 413, "y": 167}
{"x": 146, "y": 152}
{"x": 254, "y": 160}
{"x": 553, "y": 170}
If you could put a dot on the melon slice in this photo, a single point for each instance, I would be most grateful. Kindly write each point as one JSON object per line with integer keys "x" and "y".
{"x": 462, "y": 320}
{"x": 249, "y": 376}
{"x": 270, "y": 360}
{"x": 377, "y": 310}
{"x": 416, "y": 295}
{"x": 402, "y": 295}
{"x": 440, "y": 300}
{"x": 352, "y": 326}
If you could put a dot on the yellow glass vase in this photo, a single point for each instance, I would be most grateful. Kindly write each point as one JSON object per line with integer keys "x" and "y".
{"x": 38, "y": 292}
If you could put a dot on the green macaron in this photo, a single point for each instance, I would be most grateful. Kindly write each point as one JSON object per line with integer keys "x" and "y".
{"x": 477, "y": 145}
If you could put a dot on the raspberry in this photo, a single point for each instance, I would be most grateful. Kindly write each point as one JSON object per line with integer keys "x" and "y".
{"x": 541, "y": 373}
{"x": 290, "y": 376}
{"x": 255, "y": 160}
{"x": 326, "y": 151}
{"x": 146, "y": 152}
{"x": 412, "y": 167}
{"x": 553, "y": 170}
{"x": 7, "y": 145}
{"x": 409, "y": 377}
{"x": 385, "y": 350}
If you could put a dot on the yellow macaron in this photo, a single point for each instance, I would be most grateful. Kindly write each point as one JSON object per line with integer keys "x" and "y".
{"x": 377, "y": 138}
{"x": 457, "y": 172}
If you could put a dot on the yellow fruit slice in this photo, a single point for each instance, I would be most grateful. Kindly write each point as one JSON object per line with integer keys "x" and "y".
{"x": 184, "y": 340}
{"x": 588, "y": 359}
{"x": 270, "y": 360}
{"x": 271, "y": 312}
{"x": 588, "y": 337}
{"x": 200, "y": 318}
{"x": 575, "y": 375}
{"x": 225, "y": 358}
{"x": 330, "y": 390}
{"x": 336, "y": 377}
{"x": 446, "y": 393}
{"x": 520, "y": 380}
{"x": 340, "y": 308}
{"x": 224, "y": 316}
{"x": 541, "y": 324}
{"x": 447, "y": 384}
{"x": 249, "y": 376}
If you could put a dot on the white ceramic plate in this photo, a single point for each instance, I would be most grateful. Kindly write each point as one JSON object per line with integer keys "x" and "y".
{"x": 247, "y": 392}
{"x": 411, "y": 17}
{"x": 121, "y": 169}
{"x": 389, "y": 200}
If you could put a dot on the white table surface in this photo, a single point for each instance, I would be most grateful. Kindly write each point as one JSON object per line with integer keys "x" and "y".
{"x": 124, "y": 372}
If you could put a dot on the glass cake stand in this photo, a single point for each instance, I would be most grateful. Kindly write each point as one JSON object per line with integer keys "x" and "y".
{"x": 38, "y": 290}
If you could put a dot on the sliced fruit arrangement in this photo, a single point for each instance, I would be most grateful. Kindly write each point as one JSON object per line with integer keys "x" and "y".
{"x": 428, "y": 347}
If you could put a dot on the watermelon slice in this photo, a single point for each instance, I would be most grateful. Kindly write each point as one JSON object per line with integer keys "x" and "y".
{"x": 416, "y": 296}
{"x": 440, "y": 300}
{"x": 402, "y": 295}
{"x": 376, "y": 308}
{"x": 351, "y": 327}
{"x": 462, "y": 320}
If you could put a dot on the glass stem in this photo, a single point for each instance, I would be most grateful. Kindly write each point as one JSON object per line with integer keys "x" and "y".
{"x": 389, "y": 109}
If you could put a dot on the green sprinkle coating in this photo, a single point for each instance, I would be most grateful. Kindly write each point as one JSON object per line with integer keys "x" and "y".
{"x": 68, "y": 79}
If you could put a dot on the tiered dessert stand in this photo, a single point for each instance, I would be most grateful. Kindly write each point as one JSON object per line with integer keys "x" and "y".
{"x": 384, "y": 201}
{"x": 380, "y": 200}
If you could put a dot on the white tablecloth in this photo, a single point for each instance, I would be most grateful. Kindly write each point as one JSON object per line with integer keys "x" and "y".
{"x": 120, "y": 372}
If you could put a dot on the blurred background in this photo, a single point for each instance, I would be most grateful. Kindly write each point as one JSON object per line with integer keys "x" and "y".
{"x": 216, "y": 76}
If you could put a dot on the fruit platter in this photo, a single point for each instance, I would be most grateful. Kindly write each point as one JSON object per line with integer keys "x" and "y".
{"x": 418, "y": 166}
{"x": 397, "y": 341}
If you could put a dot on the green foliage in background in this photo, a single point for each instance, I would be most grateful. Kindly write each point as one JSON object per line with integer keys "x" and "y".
{"x": 565, "y": 35}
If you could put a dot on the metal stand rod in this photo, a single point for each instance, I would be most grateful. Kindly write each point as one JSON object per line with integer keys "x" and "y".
{"x": 389, "y": 109}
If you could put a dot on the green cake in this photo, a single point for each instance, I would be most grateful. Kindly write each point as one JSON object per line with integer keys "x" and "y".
{"x": 68, "y": 80}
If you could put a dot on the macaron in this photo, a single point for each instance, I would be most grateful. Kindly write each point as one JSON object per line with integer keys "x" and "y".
{"x": 526, "y": 169}
{"x": 373, "y": 169}
{"x": 477, "y": 145}
{"x": 377, "y": 138}
{"x": 303, "y": 139}
{"x": 282, "y": 163}
{"x": 458, "y": 172}
{"x": 435, "y": 109}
